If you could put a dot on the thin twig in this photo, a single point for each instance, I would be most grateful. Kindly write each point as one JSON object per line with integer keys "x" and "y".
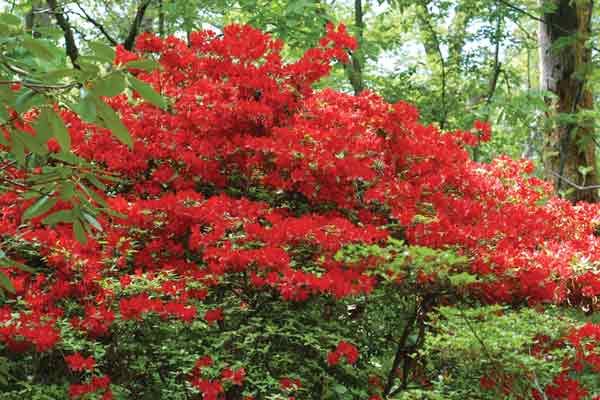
{"x": 40, "y": 85}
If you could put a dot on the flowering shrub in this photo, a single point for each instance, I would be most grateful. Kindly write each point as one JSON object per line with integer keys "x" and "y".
{"x": 270, "y": 241}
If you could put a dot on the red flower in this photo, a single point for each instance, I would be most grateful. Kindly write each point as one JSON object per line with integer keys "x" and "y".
{"x": 77, "y": 362}
{"x": 214, "y": 315}
{"x": 344, "y": 349}
{"x": 484, "y": 128}
{"x": 202, "y": 362}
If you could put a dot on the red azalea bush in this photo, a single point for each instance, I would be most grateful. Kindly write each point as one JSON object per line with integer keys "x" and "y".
{"x": 272, "y": 241}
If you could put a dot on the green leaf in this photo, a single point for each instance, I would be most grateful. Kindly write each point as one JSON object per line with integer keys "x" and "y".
{"x": 17, "y": 148}
{"x": 65, "y": 216}
{"x": 38, "y": 48}
{"x": 79, "y": 232}
{"x": 8, "y": 263}
{"x": 86, "y": 109}
{"x": 33, "y": 143}
{"x": 42, "y": 206}
{"x": 10, "y": 19}
{"x": 92, "y": 221}
{"x": 103, "y": 51}
{"x": 59, "y": 130}
{"x": 4, "y": 115}
{"x": 67, "y": 190}
{"x": 147, "y": 92}
{"x": 43, "y": 130}
{"x": 146, "y": 65}
{"x": 112, "y": 122}
{"x": 110, "y": 85}
{"x": 58, "y": 74}
{"x": 24, "y": 101}
{"x": 95, "y": 196}
{"x": 95, "y": 181}
{"x": 340, "y": 389}
{"x": 6, "y": 283}
{"x": 464, "y": 278}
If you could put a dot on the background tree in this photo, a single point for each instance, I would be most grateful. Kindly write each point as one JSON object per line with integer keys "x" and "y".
{"x": 565, "y": 65}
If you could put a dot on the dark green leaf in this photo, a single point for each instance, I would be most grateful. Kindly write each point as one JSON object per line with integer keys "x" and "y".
{"x": 110, "y": 85}
{"x": 43, "y": 129}
{"x": 67, "y": 190}
{"x": 95, "y": 181}
{"x": 40, "y": 207}
{"x": 112, "y": 122}
{"x": 79, "y": 232}
{"x": 92, "y": 221}
{"x": 95, "y": 196}
{"x": 58, "y": 217}
{"x": 59, "y": 130}
{"x": 8, "y": 263}
{"x": 33, "y": 143}
{"x": 24, "y": 101}
{"x": 17, "y": 148}
{"x": 147, "y": 92}
{"x": 6, "y": 283}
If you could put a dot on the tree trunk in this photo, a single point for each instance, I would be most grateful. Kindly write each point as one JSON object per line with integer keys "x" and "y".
{"x": 570, "y": 158}
{"x": 355, "y": 73}
{"x": 37, "y": 18}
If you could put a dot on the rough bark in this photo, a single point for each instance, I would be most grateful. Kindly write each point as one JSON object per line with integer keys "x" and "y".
{"x": 563, "y": 58}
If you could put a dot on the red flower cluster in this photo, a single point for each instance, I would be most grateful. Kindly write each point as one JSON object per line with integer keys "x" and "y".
{"x": 211, "y": 389}
{"x": 77, "y": 362}
{"x": 344, "y": 349}
{"x": 97, "y": 384}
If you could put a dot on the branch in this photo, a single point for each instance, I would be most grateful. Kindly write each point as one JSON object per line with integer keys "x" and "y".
{"x": 425, "y": 20}
{"x": 70, "y": 44}
{"x": 46, "y": 86}
{"x": 135, "y": 25}
{"x": 573, "y": 184}
{"x": 400, "y": 352}
{"x": 539, "y": 19}
{"x": 97, "y": 24}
